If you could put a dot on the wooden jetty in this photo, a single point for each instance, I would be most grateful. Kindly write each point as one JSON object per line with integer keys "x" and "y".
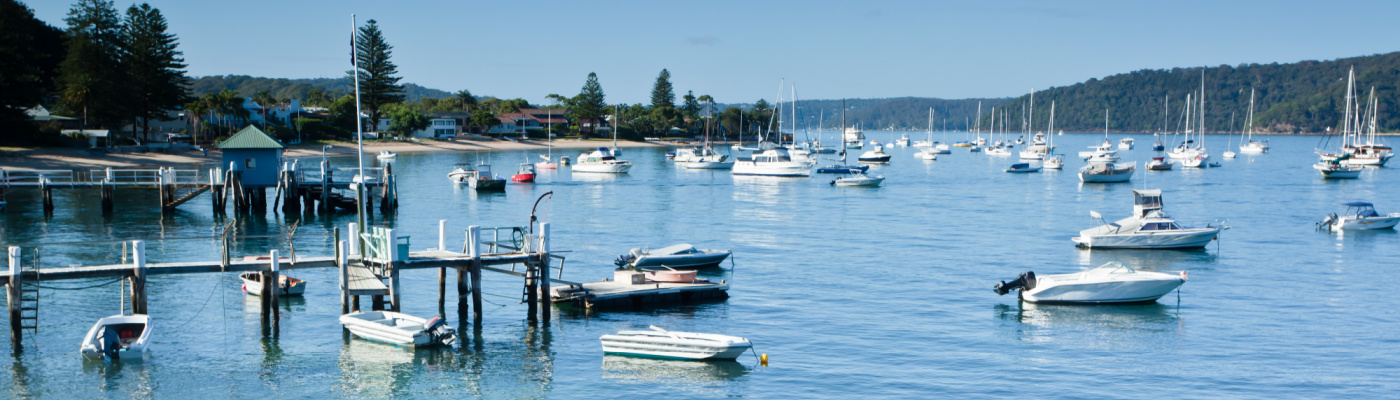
{"x": 369, "y": 266}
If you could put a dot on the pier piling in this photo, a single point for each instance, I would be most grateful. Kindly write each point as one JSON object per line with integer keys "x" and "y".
{"x": 272, "y": 286}
{"x": 138, "y": 277}
{"x": 543, "y": 272}
{"x": 474, "y": 238}
{"x": 12, "y": 297}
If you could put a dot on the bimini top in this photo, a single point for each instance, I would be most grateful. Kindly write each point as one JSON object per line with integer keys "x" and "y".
{"x": 1358, "y": 204}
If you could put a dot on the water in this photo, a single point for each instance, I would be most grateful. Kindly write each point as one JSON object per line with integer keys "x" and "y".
{"x": 876, "y": 292}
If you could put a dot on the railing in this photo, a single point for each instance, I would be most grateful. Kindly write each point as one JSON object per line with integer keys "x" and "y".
{"x": 145, "y": 176}
{"x": 53, "y": 176}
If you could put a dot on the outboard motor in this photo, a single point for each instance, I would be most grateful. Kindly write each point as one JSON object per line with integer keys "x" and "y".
{"x": 1024, "y": 282}
{"x": 1327, "y": 222}
{"x": 109, "y": 343}
{"x": 439, "y": 332}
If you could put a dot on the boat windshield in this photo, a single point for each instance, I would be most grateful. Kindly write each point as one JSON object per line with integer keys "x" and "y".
{"x": 1112, "y": 267}
{"x": 1160, "y": 226}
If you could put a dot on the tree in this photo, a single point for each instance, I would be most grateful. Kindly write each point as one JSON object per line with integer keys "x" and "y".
{"x": 194, "y": 114}
{"x": 154, "y": 65}
{"x": 378, "y": 85}
{"x": 661, "y": 93}
{"x": 468, "y": 101}
{"x": 690, "y": 106}
{"x": 90, "y": 82}
{"x": 590, "y": 102}
{"x": 265, "y": 101}
{"x": 403, "y": 120}
{"x": 316, "y": 97}
{"x": 483, "y": 118}
{"x": 27, "y": 68}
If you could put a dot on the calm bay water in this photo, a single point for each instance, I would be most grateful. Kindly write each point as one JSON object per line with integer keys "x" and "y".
{"x": 871, "y": 292}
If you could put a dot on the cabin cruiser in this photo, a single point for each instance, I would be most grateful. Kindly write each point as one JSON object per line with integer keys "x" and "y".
{"x": 688, "y": 154}
{"x": 675, "y": 256}
{"x": 660, "y": 343}
{"x": 399, "y": 328}
{"x": 478, "y": 177}
{"x": 1147, "y": 228}
{"x": 859, "y": 179}
{"x": 1106, "y": 172}
{"x": 903, "y": 141}
{"x": 1359, "y": 216}
{"x": 1053, "y": 161}
{"x": 118, "y": 337}
{"x": 853, "y": 137}
{"x": 1336, "y": 168}
{"x": 1105, "y": 148}
{"x": 877, "y": 155}
{"x": 602, "y": 160}
{"x": 1125, "y": 144}
{"x": 772, "y": 162}
{"x": 1111, "y": 283}
{"x": 524, "y": 174}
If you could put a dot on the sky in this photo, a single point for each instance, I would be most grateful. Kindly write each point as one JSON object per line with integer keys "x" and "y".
{"x": 738, "y": 51}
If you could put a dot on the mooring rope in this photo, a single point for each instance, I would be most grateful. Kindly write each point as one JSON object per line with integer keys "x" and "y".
{"x": 206, "y": 301}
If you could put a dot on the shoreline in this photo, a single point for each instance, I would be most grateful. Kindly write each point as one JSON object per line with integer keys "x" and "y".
{"x": 75, "y": 158}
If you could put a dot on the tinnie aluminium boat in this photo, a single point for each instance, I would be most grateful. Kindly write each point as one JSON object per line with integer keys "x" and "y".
{"x": 399, "y": 328}
{"x": 664, "y": 344}
{"x": 1111, "y": 283}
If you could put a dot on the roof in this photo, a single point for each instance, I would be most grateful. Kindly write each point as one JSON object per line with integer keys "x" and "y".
{"x": 1358, "y": 204}
{"x": 252, "y": 138}
{"x": 1146, "y": 192}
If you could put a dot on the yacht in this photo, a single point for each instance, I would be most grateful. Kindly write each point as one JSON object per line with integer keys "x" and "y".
{"x": 664, "y": 344}
{"x": 772, "y": 162}
{"x": 1111, "y": 283}
{"x": 1125, "y": 143}
{"x": 1147, "y": 228}
{"x": 1359, "y": 216}
{"x": 1336, "y": 168}
{"x": 601, "y": 160}
{"x": 1251, "y": 146}
{"x": 1106, "y": 172}
{"x": 852, "y": 136}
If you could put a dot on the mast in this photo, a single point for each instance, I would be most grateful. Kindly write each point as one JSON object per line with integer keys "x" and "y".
{"x": 1249, "y": 125}
{"x": 549, "y": 133}
{"x": 359, "y": 130}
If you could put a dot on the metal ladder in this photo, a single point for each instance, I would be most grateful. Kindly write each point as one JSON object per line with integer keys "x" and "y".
{"x": 29, "y": 295}
{"x": 530, "y": 274}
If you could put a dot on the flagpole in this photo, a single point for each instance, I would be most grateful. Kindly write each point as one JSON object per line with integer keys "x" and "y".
{"x": 359, "y": 132}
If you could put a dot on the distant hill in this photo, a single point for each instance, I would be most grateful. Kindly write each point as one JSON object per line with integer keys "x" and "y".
{"x": 294, "y": 88}
{"x": 1302, "y": 97}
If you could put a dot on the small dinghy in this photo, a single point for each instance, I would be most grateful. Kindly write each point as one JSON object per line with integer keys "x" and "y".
{"x": 664, "y": 344}
{"x": 118, "y": 337}
{"x": 399, "y": 328}
{"x": 1111, "y": 283}
{"x": 286, "y": 285}
{"x": 677, "y": 256}
{"x": 670, "y": 275}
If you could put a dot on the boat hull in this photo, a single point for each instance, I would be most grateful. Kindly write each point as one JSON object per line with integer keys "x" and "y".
{"x": 791, "y": 169}
{"x": 1368, "y": 223}
{"x": 135, "y": 346}
{"x": 602, "y": 168}
{"x": 858, "y": 182}
{"x": 671, "y": 349}
{"x": 709, "y": 165}
{"x": 388, "y": 327}
{"x": 710, "y": 258}
{"x": 1114, "y": 292}
{"x": 1185, "y": 239}
{"x": 288, "y": 286}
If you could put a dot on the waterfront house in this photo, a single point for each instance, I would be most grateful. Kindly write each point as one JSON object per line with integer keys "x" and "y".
{"x": 256, "y": 153}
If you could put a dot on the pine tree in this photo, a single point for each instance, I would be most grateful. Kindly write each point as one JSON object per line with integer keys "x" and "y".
{"x": 590, "y": 101}
{"x": 154, "y": 65}
{"x": 27, "y": 68}
{"x": 91, "y": 84}
{"x": 661, "y": 94}
{"x": 378, "y": 85}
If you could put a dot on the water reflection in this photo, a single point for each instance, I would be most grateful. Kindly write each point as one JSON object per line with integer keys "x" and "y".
{"x": 1092, "y": 325}
{"x": 1146, "y": 260}
{"x": 129, "y": 378}
{"x": 692, "y": 376}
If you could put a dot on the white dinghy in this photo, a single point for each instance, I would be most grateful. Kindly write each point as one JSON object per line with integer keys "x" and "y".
{"x": 286, "y": 285}
{"x": 118, "y": 337}
{"x": 664, "y": 344}
{"x": 399, "y": 328}
{"x": 1111, "y": 283}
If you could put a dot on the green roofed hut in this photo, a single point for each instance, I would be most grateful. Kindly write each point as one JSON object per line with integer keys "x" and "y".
{"x": 255, "y": 153}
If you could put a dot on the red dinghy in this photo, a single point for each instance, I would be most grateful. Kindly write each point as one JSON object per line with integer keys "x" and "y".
{"x": 526, "y": 174}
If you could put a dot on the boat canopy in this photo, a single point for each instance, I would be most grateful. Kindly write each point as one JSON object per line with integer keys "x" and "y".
{"x": 1146, "y": 200}
{"x": 1358, "y": 204}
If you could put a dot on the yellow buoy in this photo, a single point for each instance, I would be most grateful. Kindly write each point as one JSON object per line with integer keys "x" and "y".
{"x": 763, "y": 359}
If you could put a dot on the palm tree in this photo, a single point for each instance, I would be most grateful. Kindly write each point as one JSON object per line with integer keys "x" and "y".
{"x": 264, "y": 100}
{"x": 194, "y": 112}
{"x": 468, "y": 101}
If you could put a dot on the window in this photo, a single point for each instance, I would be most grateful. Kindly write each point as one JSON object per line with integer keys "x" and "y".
{"x": 250, "y": 163}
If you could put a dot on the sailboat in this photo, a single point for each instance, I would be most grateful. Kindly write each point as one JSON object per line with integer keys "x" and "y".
{"x": 928, "y": 153}
{"x": 1229, "y": 139}
{"x": 615, "y": 151}
{"x": 1370, "y": 153}
{"x": 1196, "y": 157}
{"x": 548, "y": 162}
{"x": 842, "y": 168}
{"x": 1335, "y": 165}
{"x": 1052, "y": 160}
{"x": 1252, "y": 146}
{"x": 709, "y": 159}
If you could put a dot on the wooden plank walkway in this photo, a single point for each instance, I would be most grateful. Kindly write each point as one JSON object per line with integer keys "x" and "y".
{"x": 417, "y": 260}
{"x": 363, "y": 282}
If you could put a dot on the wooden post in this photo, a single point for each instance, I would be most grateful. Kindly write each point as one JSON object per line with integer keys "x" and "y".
{"x": 354, "y": 239}
{"x": 442, "y": 289}
{"x": 392, "y": 266}
{"x": 47, "y": 193}
{"x": 138, "y": 277}
{"x": 544, "y": 272}
{"x": 12, "y": 296}
{"x": 474, "y": 241}
{"x": 274, "y": 281}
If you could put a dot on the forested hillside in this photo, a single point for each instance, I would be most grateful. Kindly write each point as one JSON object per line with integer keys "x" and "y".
{"x": 874, "y": 114}
{"x": 294, "y": 88}
{"x": 1303, "y": 97}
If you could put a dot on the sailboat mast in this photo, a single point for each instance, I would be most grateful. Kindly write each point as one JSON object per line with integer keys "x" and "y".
{"x": 1031, "y": 120}
{"x": 1250, "y": 123}
{"x": 359, "y": 129}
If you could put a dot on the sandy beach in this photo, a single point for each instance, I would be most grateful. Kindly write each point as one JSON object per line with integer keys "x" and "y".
{"x": 65, "y": 159}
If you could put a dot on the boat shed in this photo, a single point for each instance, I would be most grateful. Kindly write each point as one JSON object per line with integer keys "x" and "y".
{"x": 256, "y": 154}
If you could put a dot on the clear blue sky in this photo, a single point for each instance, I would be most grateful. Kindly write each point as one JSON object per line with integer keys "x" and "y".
{"x": 737, "y": 51}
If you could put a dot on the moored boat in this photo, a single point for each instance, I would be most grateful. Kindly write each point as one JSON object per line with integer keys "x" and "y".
{"x": 681, "y": 255}
{"x": 1111, "y": 283}
{"x": 399, "y": 328}
{"x": 118, "y": 337}
{"x": 858, "y": 179}
{"x": 660, "y": 343}
{"x": 1106, "y": 172}
{"x": 1023, "y": 168}
{"x": 601, "y": 160}
{"x": 1159, "y": 164}
{"x": 286, "y": 285}
{"x": 877, "y": 155}
{"x": 1359, "y": 216}
{"x": 1148, "y": 228}
{"x": 525, "y": 174}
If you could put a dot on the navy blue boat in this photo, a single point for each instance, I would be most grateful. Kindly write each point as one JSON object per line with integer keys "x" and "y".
{"x": 842, "y": 169}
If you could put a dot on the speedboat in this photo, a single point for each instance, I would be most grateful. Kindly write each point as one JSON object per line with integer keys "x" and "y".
{"x": 286, "y": 285}
{"x": 1359, "y": 216}
{"x": 772, "y": 162}
{"x": 1147, "y": 228}
{"x": 477, "y": 177}
{"x": 1335, "y": 168}
{"x": 399, "y": 328}
{"x": 461, "y": 173}
{"x": 664, "y": 344}
{"x": 1159, "y": 164}
{"x": 877, "y": 155}
{"x": 118, "y": 337}
{"x": 1111, "y": 283}
{"x": 859, "y": 179}
{"x": 386, "y": 155}
{"x": 601, "y": 161}
{"x": 1023, "y": 168}
{"x": 676, "y": 256}
{"x": 1106, "y": 172}
{"x": 525, "y": 174}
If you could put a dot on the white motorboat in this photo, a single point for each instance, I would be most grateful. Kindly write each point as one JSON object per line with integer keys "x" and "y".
{"x": 1105, "y": 148}
{"x": 286, "y": 285}
{"x": 660, "y": 343}
{"x": 859, "y": 179}
{"x": 942, "y": 148}
{"x": 1107, "y": 172}
{"x": 1023, "y": 168}
{"x": 601, "y": 161}
{"x": 118, "y": 337}
{"x": 877, "y": 155}
{"x": 477, "y": 177}
{"x": 1335, "y": 168}
{"x": 386, "y": 155}
{"x": 1359, "y": 216}
{"x": 772, "y": 162}
{"x": 1100, "y": 158}
{"x": 687, "y": 154}
{"x": 1111, "y": 283}
{"x": 1125, "y": 144}
{"x": 927, "y": 154}
{"x": 1195, "y": 159}
{"x": 903, "y": 141}
{"x": 1159, "y": 164}
{"x": 676, "y": 256}
{"x": 461, "y": 173}
{"x": 1147, "y": 228}
{"x": 851, "y": 136}
{"x": 1053, "y": 162}
{"x": 399, "y": 328}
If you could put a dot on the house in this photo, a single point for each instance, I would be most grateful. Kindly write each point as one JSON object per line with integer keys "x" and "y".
{"x": 439, "y": 128}
{"x": 530, "y": 119}
{"x": 256, "y": 153}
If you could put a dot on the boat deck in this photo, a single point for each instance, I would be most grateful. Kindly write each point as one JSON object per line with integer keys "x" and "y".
{"x": 616, "y": 294}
